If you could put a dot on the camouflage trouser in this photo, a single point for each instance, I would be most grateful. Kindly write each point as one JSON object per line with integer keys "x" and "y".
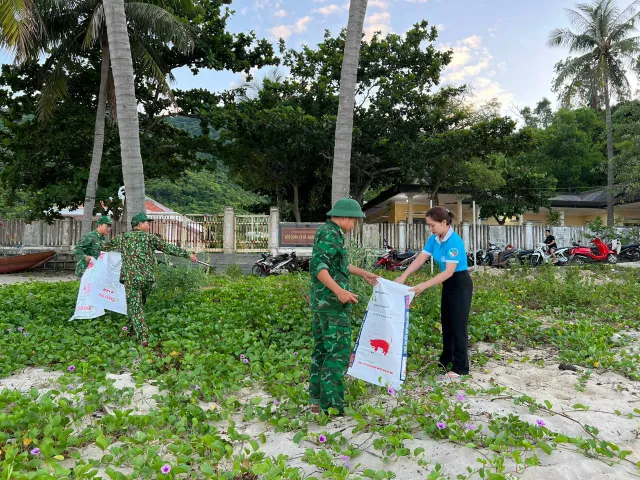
{"x": 136, "y": 298}
{"x": 330, "y": 359}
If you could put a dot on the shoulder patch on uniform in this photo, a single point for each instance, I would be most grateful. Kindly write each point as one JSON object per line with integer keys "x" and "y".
{"x": 453, "y": 252}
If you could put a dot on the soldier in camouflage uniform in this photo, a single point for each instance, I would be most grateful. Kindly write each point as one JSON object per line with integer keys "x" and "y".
{"x": 89, "y": 245}
{"x": 331, "y": 305}
{"x": 140, "y": 267}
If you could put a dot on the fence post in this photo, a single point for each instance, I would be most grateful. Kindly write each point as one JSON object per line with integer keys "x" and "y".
{"x": 229, "y": 231}
{"x": 66, "y": 232}
{"x": 529, "y": 236}
{"x": 274, "y": 230}
{"x": 466, "y": 235}
{"x": 402, "y": 236}
{"x": 32, "y": 235}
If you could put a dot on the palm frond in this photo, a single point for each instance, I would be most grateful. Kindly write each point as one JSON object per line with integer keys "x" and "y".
{"x": 148, "y": 65}
{"x": 160, "y": 24}
{"x": 629, "y": 14}
{"x": 95, "y": 28}
{"x": 54, "y": 89}
{"x": 20, "y": 27}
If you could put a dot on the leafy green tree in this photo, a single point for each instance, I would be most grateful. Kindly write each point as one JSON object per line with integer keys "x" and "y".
{"x": 606, "y": 43}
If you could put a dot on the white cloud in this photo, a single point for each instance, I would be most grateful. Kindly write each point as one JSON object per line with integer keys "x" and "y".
{"x": 377, "y": 22}
{"x": 440, "y": 27}
{"x": 474, "y": 41}
{"x": 492, "y": 32}
{"x": 378, "y": 4}
{"x": 285, "y": 31}
{"x": 331, "y": 9}
{"x": 281, "y": 13}
{"x": 486, "y": 90}
{"x": 261, "y": 4}
{"x": 244, "y": 11}
{"x": 417, "y": 1}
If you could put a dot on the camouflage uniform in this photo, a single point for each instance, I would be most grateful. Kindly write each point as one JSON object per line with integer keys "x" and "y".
{"x": 139, "y": 270}
{"x": 88, "y": 246}
{"x": 331, "y": 325}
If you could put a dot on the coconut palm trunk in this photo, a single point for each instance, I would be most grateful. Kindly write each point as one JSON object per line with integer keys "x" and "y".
{"x": 126, "y": 107}
{"x": 344, "y": 125}
{"x": 98, "y": 141}
{"x": 610, "y": 163}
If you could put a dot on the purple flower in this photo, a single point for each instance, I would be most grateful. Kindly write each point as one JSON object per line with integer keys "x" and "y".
{"x": 322, "y": 439}
{"x": 469, "y": 337}
{"x": 166, "y": 468}
{"x": 295, "y": 353}
{"x": 461, "y": 397}
{"x": 70, "y": 387}
{"x": 391, "y": 391}
{"x": 71, "y": 368}
{"x": 556, "y": 310}
{"x": 198, "y": 387}
{"x": 20, "y": 329}
{"x": 242, "y": 355}
{"x": 124, "y": 329}
{"x": 346, "y": 460}
{"x": 429, "y": 389}
{"x": 25, "y": 333}
{"x": 35, "y": 451}
{"x": 540, "y": 422}
{"x": 441, "y": 425}
{"x": 469, "y": 427}
{"x": 276, "y": 402}
{"x": 245, "y": 360}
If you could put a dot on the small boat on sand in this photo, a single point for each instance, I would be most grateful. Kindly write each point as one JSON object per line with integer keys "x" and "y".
{"x": 21, "y": 263}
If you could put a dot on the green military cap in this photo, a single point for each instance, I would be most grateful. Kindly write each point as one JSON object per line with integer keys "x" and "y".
{"x": 346, "y": 207}
{"x": 138, "y": 218}
{"x": 104, "y": 220}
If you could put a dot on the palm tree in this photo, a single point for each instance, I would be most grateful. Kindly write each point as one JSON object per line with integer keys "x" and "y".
{"x": 605, "y": 45}
{"x": 126, "y": 106}
{"x": 344, "y": 124}
{"x": 147, "y": 23}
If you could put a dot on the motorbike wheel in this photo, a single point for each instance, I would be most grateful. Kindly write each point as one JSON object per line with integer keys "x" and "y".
{"x": 577, "y": 260}
{"x": 612, "y": 259}
{"x": 536, "y": 261}
{"x": 259, "y": 271}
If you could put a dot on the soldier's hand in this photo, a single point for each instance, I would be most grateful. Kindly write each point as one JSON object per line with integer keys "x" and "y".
{"x": 346, "y": 296}
{"x": 193, "y": 257}
{"x": 88, "y": 259}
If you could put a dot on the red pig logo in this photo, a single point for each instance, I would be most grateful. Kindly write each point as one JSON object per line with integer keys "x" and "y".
{"x": 382, "y": 344}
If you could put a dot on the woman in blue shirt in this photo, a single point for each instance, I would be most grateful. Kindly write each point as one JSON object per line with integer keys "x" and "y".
{"x": 447, "y": 249}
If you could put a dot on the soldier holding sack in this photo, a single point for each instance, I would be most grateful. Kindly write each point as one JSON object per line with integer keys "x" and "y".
{"x": 331, "y": 303}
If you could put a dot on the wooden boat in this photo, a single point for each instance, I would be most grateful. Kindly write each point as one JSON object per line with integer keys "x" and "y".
{"x": 20, "y": 263}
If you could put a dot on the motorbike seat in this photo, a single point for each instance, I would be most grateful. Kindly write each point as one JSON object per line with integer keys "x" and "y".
{"x": 404, "y": 256}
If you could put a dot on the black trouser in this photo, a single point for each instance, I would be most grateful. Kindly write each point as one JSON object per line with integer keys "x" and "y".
{"x": 455, "y": 306}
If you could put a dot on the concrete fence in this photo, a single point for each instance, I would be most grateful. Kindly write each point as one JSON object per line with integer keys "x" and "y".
{"x": 230, "y": 233}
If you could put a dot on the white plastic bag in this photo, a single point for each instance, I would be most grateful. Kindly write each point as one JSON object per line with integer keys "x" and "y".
{"x": 380, "y": 354}
{"x": 100, "y": 288}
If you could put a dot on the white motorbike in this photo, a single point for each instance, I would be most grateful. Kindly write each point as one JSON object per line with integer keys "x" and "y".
{"x": 542, "y": 255}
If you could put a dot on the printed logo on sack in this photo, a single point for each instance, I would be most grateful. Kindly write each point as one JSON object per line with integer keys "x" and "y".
{"x": 383, "y": 345}
{"x": 453, "y": 252}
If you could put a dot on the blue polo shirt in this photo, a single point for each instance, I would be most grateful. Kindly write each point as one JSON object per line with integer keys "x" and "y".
{"x": 449, "y": 250}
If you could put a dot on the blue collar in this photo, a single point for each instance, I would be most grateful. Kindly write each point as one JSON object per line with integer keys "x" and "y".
{"x": 446, "y": 237}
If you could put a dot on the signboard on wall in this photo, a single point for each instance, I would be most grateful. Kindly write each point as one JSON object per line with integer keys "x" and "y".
{"x": 298, "y": 234}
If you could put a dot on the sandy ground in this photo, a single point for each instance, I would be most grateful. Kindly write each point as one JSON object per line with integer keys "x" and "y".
{"x": 38, "y": 276}
{"x": 605, "y": 393}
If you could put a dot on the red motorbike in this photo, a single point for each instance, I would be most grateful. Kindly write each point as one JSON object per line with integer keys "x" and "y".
{"x": 600, "y": 252}
{"x": 392, "y": 260}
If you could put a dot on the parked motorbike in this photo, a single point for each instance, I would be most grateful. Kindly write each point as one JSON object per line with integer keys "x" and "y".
{"x": 600, "y": 252}
{"x": 270, "y": 265}
{"x": 392, "y": 260}
{"x": 542, "y": 255}
{"x": 479, "y": 258}
{"x": 629, "y": 253}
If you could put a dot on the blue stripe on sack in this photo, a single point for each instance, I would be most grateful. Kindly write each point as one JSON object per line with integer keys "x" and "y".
{"x": 405, "y": 339}
{"x": 355, "y": 347}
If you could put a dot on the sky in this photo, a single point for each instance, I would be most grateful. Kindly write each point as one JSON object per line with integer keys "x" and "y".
{"x": 500, "y": 46}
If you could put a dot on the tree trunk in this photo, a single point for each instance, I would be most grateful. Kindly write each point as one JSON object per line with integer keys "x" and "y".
{"x": 98, "y": 141}
{"x": 296, "y": 203}
{"x": 344, "y": 122}
{"x": 610, "y": 165}
{"x": 127, "y": 107}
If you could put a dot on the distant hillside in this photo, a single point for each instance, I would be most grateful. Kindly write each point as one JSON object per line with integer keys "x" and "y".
{"x": 203, "y": 192}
